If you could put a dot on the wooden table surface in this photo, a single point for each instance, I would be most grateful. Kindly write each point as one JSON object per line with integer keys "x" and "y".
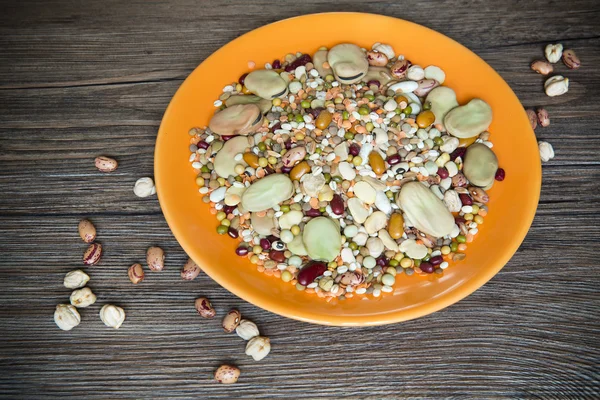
{"x": 80, "y": 79}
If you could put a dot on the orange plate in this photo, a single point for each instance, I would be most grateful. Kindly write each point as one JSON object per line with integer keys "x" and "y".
{"x": 511, "y": 209}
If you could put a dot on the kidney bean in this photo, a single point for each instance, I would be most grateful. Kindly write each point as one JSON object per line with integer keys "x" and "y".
{"x": 459, "y": 220}
{"x": 302, "y": 60}
{"x": 436, "y": 260}
{"x": 313, "y": 212}
{"x": 382, "y": 261}
{"x": 337, "y": 204}
{"x": 276, "y": 64}
{"x": 288, "y": 144}
{"x": 459, "y": 152}
{"x": 286, "y": 170}
{"x": 276, "y": 126}
{"x": 265, "y": 244}
{"x": 426, "y": 267}
{"x": 373, "y": 82}
{"x": 310, "y": 272}
{"x": 233, "y": 233}
{"x": 202, "y": 144}
{"x": 272, "y": 238}
{"x": 276, "y": 255}
{"x": 242, "y": 78}
{"x": 241, "y": 251}
{"x": 393, "y": 159}
{"x": 465, "y": 199}
{"x": 227, "y": 137}
{"x": 354, "y": 149}
{"x": 228, "y": 209}
{"x": 443, "y": 172}
{"x": 500, "y": 174}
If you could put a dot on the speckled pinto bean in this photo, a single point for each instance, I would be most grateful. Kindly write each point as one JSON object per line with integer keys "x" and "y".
{"x": 106, "y": 164}
{"x": 155, "y": 257}
{"x": 87, "y": 231}
{"x": 190, "y": 270}
{"x": 92, "y": 254}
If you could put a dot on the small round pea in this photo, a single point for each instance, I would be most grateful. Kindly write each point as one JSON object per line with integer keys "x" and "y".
{"x": 300, "y": 136}
{"x": 426, "y": 258}
{"x": 276, "y": 102}
{"x": 357, "y": 160}
{"x": 221, "y": 181}
{"x": 427, "y": 105}
{"x": 417, "y": 262}
{"x": 284, "y": 208}
{"x": 348, "y": 135}
{"x": 461, "y": 239}
{"x": 388, "y": 279}
{"x": 286, "y": 276}
{"x": 364, "y": 111}
{"x": 389, "y": 194}
{"x": 327, "y": 177}
{"x": 295, "y": 230}
{"x": 226, "y": 222}
{"x": 406, "y": 262}
{"x": 445, "y": 250}
{"x": 345, "y": 114}
{"x": 221, "y": 216}
{"x": 305, "y": 104}
{"x": 329, "y": 78}
{"x": 254, "y": 259}
{"x": 338, "y": 100}
{"x": 478, "y": 219}
{"x": 296, "y": 207}
{"x": 454, "y": 246}
{"x": 393, "y": 263}
{"x": 200, "y": 181}
{"x": 370, "y": 97}
{"x": 407, "y": 110}
{"x": 337, "y": 179}
{"x": 322, "y": 209}
{"x": 318, "y": 150}
{"x": 438, "y": 141}
{"x": 261, "y": 146}
{"x": 475, "y": 209}
{"x": 239, "y": 169}
{"x": 353, "y": 246}
{"x": 263, "y": 162}
{"x": 468, "y": 217}
{"x": 298, "y": 118}
{"x": 272, "y": 160}
{"x": 204, "y": 169}
{"x": 222, "y": 229}
{"x": 369, "y": 126}
{"x": 345, "y": 185}
{"x": 391, "y": 271}
{"x": 257, "y": 249}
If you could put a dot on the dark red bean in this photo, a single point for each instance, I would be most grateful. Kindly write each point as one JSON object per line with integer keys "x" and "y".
{"x": 500, "y": 174}
{"x": 227, "y": 137}
{"x": 302, "y": 60}
{"x": 459, "y": 220}
{"x": 272, "y": 238}
{"x": 228, "y": 209}
{"x": 242, "y": 79}
{"x": 443, "y": 173}
{"x": 465, "y": 199}
{"x": 286, "y": 170}
{"x": 337, "y": 204}
{"x": 436, "y": 260}
{"x": 313, "y": 212}
{"x": 459, "y": 152}
{"x": 202, "y": 144}
{"x": 373, "y": 82}
{"x": 310, "y": 272}
{"x": 276, "y": 64}
{"x": 241, "y": 251}
{"x": 277, "y": 255}
{"x": 288, "y": 144}
{"x": 315, "y": 111}
{"x": 393, "y": 159}
{"x": 354, "y": 149}
{"x": 276, "y": 126}
{"x": 265, "y": 244}
{"x": 232, "y": 232}
{"x": 382, "y": 261}
{"x": 427, "y": 267}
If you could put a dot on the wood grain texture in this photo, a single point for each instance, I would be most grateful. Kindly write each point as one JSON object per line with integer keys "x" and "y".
{"x": 78, "y": 79}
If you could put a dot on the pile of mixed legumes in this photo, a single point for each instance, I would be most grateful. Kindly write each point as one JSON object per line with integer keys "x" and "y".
{"x": 342, "y": 170}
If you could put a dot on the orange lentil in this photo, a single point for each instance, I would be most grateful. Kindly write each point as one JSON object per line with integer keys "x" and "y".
{"x": 482, "y": 212}
{"x": 260, "y": 268}
{"x": 269, "y": 272}
{"x": 277, "y": 273}
{"x": 261, "y": 213}
{"x": 213, "y": 211}
{"x": 346, "y": 124}
{"x": 470, "y": 238}
{"x": 309, "y": 290}
{"x": 326, "y": 65}
{"x": 314, "y": 202}
{"x": 360, "y": 129}
{"x": 462, "y": 247}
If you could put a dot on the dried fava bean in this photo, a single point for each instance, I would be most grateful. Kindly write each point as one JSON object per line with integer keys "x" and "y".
{"x": 144, "y": 187}
{"x": 112, "y": 316}
{"x": 231, "y": 321}
{"x": 427, "y": 212}
{"x": 82, "y": 298}
{"x": 66, "y": 317}
{"x": 441, "y": 99}
{"x": 553, "y": 52}
{"x": 227, "y": 374}
{"x": 258, "y": 347}
{"x": 224, "y": 163}
{"x": 322, "y": 239}
{"x": 570, "y": 59}
{"x": 247, "y": 329}
{"x": 190, "y": 270}
{"x": 136, "y": 273}
{"x": 415, "y": 73}
{"x": 92, "y": 254}
{"x": 469, "y": 120}
{"x": 267, "y": 84}
{"x": 375, "y": 222}
{"x": 319, "y": 60}
{"x": 413, "y": 249}
{"x": 106, "y": 164}
{"x": 240, "y": 119}
{"x": 348, "y": 62}
{"x": 205, "y": 308}
{"x": 264, "y": 104}
{"x": 76, "y": 279}
{"x": 546, "y": 151}
{"x": 87, "y": 231}
{"x": 267, "y": 192}
{"x": 542, "y": 67}
{"x": 480, "y": 165}
{"x": 542, "y": 117}
{"x": 435, "y": 73}
{"x": 155, "y": 257}
{"x": 532, "y": 118}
